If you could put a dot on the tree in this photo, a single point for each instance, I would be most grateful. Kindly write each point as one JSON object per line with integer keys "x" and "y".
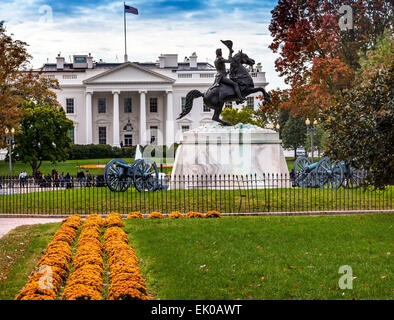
{"x": 244, "y": 115}
{"x": 18, "y": 83}
{"x": 319, "y": 140}
{"x": 317, "y": 59}
{"x": 294, "y": 134}
{"x": 43, "y": 135}
{"x": 361, "y": 126}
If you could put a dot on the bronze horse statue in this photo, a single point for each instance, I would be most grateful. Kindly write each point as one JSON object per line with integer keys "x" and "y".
{"x": 217, "y": 95}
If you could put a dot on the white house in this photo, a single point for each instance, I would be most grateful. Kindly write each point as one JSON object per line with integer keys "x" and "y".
{"x": 124, "y": 104}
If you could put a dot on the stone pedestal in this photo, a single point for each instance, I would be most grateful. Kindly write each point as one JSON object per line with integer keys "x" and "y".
{"x": 241, "y": 151}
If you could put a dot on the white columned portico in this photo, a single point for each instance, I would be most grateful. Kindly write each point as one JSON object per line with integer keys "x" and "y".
{"x": 116, "y": 133}
{"x": 143, "y": 140}
{"x": 170, "y": 138}
{"x": 89, "y": 125}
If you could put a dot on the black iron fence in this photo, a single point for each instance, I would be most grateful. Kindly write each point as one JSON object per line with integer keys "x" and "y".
{"x": 227, "y": 194}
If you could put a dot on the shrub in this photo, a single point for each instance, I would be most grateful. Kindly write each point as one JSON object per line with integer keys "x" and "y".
{"x": 155, "y": 215}
{"x": 113, "y": 219}
{"x": 213, "y": 214}
{"x": 192, "y": 214}
{"x": 176, "y": 215}
{"x": 135, "y": 215}
{"x": 99, "y": 151}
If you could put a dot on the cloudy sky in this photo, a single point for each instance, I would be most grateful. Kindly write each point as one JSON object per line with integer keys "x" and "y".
{"x": 174, "y": 26}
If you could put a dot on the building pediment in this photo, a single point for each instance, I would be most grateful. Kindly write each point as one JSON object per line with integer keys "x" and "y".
{"x": 129, "y": 72}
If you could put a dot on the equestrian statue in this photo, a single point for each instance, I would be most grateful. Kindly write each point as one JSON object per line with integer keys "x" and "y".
{"x": 234, "y": 88}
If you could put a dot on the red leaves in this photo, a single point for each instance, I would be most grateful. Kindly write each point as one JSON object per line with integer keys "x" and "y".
{"x": 316, "y": 58}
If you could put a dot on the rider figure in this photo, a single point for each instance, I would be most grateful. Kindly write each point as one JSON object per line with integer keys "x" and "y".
{"x": 221, "y": 76}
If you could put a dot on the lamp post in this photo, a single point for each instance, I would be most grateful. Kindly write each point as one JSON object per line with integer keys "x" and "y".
{"x": 272, "y": 126}
{"x": 311, "y": 130}
{"x": 10, "y": 140}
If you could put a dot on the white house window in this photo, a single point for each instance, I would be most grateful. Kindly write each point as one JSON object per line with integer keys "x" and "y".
{"x": 79, "y": 59}
{"x": 70, "y": 133}
{"x": 127, "y": 105}
{"x": 50, "y": 76}
{"x": 70, "y": 105}
{"x": 70, "y": 76}
{"x": 153, "y": 135}
{"x": 206, "y": 108}
{"x": 102, "y": 105}
{"x": 250, "y": 101}
{"x": 102, "y": 135}
{"x": 128, "y": 140}
{"x": 207, "y": 75}
{"x": 185, "y": 128}
{"x": 185, "y": 75}
{"x": 153, "y": 105}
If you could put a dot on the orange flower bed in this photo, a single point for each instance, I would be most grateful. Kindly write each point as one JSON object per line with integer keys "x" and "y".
{"x": 213, "y": 214}
{"x": 126, "y": 282}
{"x": 155, "y": 215}
{"x": 176, "y": 215}
{"x": 53, "y": 268}
{"x": 192, "y": 214}
{"x": 135, "y": 215}
{"x": 113, "y": 219}
{"x": 86, "y": 281}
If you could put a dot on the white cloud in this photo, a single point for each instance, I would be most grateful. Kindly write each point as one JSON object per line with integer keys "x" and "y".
{"x": 99, "y": 30}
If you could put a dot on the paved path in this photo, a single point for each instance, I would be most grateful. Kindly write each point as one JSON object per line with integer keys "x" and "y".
{"x": 7, "y": 224}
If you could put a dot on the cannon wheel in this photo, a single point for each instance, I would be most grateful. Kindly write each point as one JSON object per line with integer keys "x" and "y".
{"x": 301, "y": 176}
{"x": 329, "y": 176}
{"x": 145, "y": 175}
{"x": 354, "y": 178}
{"x": 114, "y": 176}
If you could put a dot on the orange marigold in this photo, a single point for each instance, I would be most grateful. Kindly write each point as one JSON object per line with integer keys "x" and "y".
{"x": 176, "y": 215}
{"x": 135, "y": 215}
{"x": 213, "y": 214}
{"x": 155, "y": 215}
{"x": 192, "y": 214}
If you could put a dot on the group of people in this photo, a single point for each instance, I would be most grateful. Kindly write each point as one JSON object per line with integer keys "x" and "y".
{"x": 84, "y": 180}
{"x": 54, "y": 179}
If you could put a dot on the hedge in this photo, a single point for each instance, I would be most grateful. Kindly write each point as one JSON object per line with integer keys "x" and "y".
{"x": 99, "y": 151}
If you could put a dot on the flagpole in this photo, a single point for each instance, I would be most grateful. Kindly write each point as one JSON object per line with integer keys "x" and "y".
{"x": 125, "y": 38}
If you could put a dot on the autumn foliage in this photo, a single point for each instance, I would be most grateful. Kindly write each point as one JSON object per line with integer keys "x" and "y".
{"x": 317, "y": 59}
{"x": 19, "y": 83}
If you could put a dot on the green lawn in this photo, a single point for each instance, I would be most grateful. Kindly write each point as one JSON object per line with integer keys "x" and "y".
{"x": 70, "y": 166}
{"x": 265, "y": 257}
{"x": 20, "y": 251}
{"x": 102, "y": 200}
{"x": 47, "y": 166}
{"x": 237, "y": 257}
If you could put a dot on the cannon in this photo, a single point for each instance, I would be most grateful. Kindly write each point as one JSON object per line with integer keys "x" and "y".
{"x": 322, "y": 174}
{"x": 352, "y": 178}
{"x": 141, "y": 174}
{"x": 325, "y": 174}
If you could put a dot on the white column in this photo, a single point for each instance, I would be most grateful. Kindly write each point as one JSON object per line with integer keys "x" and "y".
{"x": 89, "y": 124}
{"x": 170, "y": 121}
{"x": 115, "y": 125}
{"x": 143, "y": 140}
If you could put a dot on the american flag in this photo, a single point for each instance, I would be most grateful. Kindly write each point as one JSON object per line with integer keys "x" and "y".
{"x": 130, "y": 9}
